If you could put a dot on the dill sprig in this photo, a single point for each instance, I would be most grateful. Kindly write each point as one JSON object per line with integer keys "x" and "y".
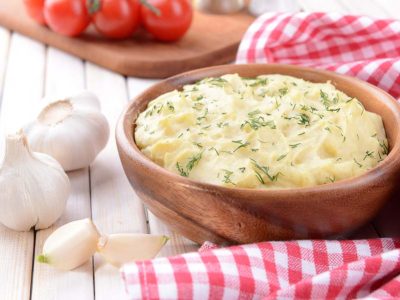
{"x": 264, "y": 170}
{"x": 368, "y": 154}
{"x": 192, "y": 162}
{"x": 241, "y": 144}
{"x": 227, "y": 177}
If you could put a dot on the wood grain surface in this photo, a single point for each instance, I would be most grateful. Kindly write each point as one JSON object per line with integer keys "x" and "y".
{"x": 212, "y": 40}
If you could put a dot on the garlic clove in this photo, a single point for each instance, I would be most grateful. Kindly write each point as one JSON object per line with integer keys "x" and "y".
{"x": 73, "y": 131}
{"x": 118, "y": 249}
{"x": 33, "y": 187}
{"x": 70, "y": 245}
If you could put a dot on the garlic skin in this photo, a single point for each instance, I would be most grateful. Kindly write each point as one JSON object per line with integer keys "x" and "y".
{"x": 73, "y": 131}
{"x": 70, "y": 245}
{"x": 118, "y": 249}
{"x": 33, "y": 187}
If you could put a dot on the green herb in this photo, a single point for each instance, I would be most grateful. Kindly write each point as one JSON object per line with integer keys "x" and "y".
{"x": 303, "y": 120}
{"x": 227, "y": 152}
{"x": 282, "y": 157}
{"x": 283, "y": 91}
{"x": 302, "y": 133}
{"x": 170, "y": 106}
{"x": 259, "y": 81}
{"x": 374, "y": 135}
{"x": 385, "y": 148}
{"x": 192, "y": 162}
{"x": 294, "y": 145}
{"x": 259, "y": 177}
{"x": 325, "y": 99}
{"x": 241, "y": 144}
{"x": 206, "y": 127}
{"x": 180, "y": 135}
{"x": 216, "y": 151}
{"x": 160, "y": 108}
{"x": 327, "y": 129}
{"x": 242, "y": 169}
{"x": 254, "y": 113}
{"x": 369, "y": 154}
{"x": 360, "y": 165}
{"x": 220, "y": 82}
{"x": 204, "y": 115}
{"x": 258, "y": 122}
{"x": 254, "y": 149}
{"x": 199, "y": 98}
{"x": 333, "y": 109}
{"x": 264, "y": 170}
{"x": 222, "y": 124}
{"x": 331, "y": 179}
{"x": 198, "y": 145}
{"x": 227, "y": 177}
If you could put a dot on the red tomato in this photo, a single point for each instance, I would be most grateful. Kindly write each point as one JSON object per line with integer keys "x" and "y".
{"x": 115, "y": 18}
{"x": 35, "y": 10}
{"x": 67, "y": 17}
{"x": 172, "y": 20}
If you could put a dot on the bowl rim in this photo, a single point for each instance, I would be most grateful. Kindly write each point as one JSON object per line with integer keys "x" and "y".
{"x": 127, "y": 144}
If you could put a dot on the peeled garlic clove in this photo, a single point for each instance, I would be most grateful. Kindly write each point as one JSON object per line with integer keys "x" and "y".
{"x": 118, "y": 249}
{"x": 33, "y": 187}
{"x": 70, "y": 245}
{"x": 72, "y": 130}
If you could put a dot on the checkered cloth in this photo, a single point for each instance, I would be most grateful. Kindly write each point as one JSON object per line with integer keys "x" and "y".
{"x": 355, "y": 45}
{"x": 368, "y": 269}
{"x": 359, "y": 46}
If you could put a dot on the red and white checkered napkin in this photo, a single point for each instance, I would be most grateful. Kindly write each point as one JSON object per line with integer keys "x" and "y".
{"x": 358, "y": 46}
{"x": 368, "y": 269}
{"x": 355, "y": 45}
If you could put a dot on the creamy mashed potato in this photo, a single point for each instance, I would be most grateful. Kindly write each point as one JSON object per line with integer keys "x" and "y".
{"x": 272, "y": 131}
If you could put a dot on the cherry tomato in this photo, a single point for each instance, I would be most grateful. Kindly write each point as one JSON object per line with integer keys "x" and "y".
{"x": 115, "y": 18}
{"x": 67, "y": 17}
{"x": 168, "y": 20}
{"x": 35, "y": 10}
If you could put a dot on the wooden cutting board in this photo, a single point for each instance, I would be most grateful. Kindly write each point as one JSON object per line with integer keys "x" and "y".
{"x": 212, "y": 40}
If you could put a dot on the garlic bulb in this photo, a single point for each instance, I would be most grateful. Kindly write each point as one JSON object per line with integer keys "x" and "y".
{"x": 70, "y": 245}
{"x": 33, "y": 187}
{"x": 73, "y": 131}
{"x": 118, "y": 249}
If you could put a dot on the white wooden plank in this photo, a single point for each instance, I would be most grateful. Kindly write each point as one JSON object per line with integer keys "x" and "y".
{"x": 22, "y": 86}
{"x": 362, "y": 7}
{"x": 4, "y": 46}
{"x": 65, "y": 76}
{"x": 115, "y": 207}
{"x": 390, "y": 7}
{"x": 177, "y": 243}
{"x": 325, "y": 6}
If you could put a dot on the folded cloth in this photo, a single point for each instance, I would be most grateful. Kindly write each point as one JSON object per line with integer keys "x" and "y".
{"x": 355, "y": 45}
{"x": 368, "y": 269}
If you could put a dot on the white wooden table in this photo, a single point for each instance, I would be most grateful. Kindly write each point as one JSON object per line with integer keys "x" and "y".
{"x": 30, "y": 70}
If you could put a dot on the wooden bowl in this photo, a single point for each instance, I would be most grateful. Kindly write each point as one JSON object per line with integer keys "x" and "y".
{"x": 206, "y": 212}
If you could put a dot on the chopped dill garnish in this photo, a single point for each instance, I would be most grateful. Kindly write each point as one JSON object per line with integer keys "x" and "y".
{"x": 325, "y": 99}
{"x": 222, "y": 124}
{"x": 180, "y": 135}
{"x": 227, "y": 177}
{"x": 331, "y": 179}
{"x": 281, "y": 157}
{"x": 254, "y": 149}
{"x": 198, "y": 145}
{"x": 170, "y": 106}
{"x": 374, "y": 135}
{"x": 264, "y": 170}
{"x": 216, "y": 151}
{"x": 254, "y": 113}
{"x": 241, "y": 144}
{"x": 192, "y": 162}
{"x": 242, "y": 169}
{"x": 303, "y": 120}
{"x": 360, "y": 165}
{"x": 220, "y": 82}
{"x": 259, "y": 177}
{"x": 385, "y": 148}
{"x": 294, "y": 145}
{"x": 333, "y": 109}
{"x": 258, "y": 122}
{"x": 327, "y": 129}
{"x": 302, "y": 133}
{"x": 369, "y": 154}
{"x": 283, "y": 91}
{"x": 258, "y": 81}
{"x": 204, "y": 115}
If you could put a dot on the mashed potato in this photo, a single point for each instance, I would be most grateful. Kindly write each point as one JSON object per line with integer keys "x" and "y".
{"x": 272, "y": 131}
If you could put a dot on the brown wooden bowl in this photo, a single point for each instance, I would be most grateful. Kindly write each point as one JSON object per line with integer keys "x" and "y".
{"x": 206, "y": 212}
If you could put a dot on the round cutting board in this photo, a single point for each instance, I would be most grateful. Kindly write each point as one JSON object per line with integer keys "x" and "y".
{"x": 212, "y": 40}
